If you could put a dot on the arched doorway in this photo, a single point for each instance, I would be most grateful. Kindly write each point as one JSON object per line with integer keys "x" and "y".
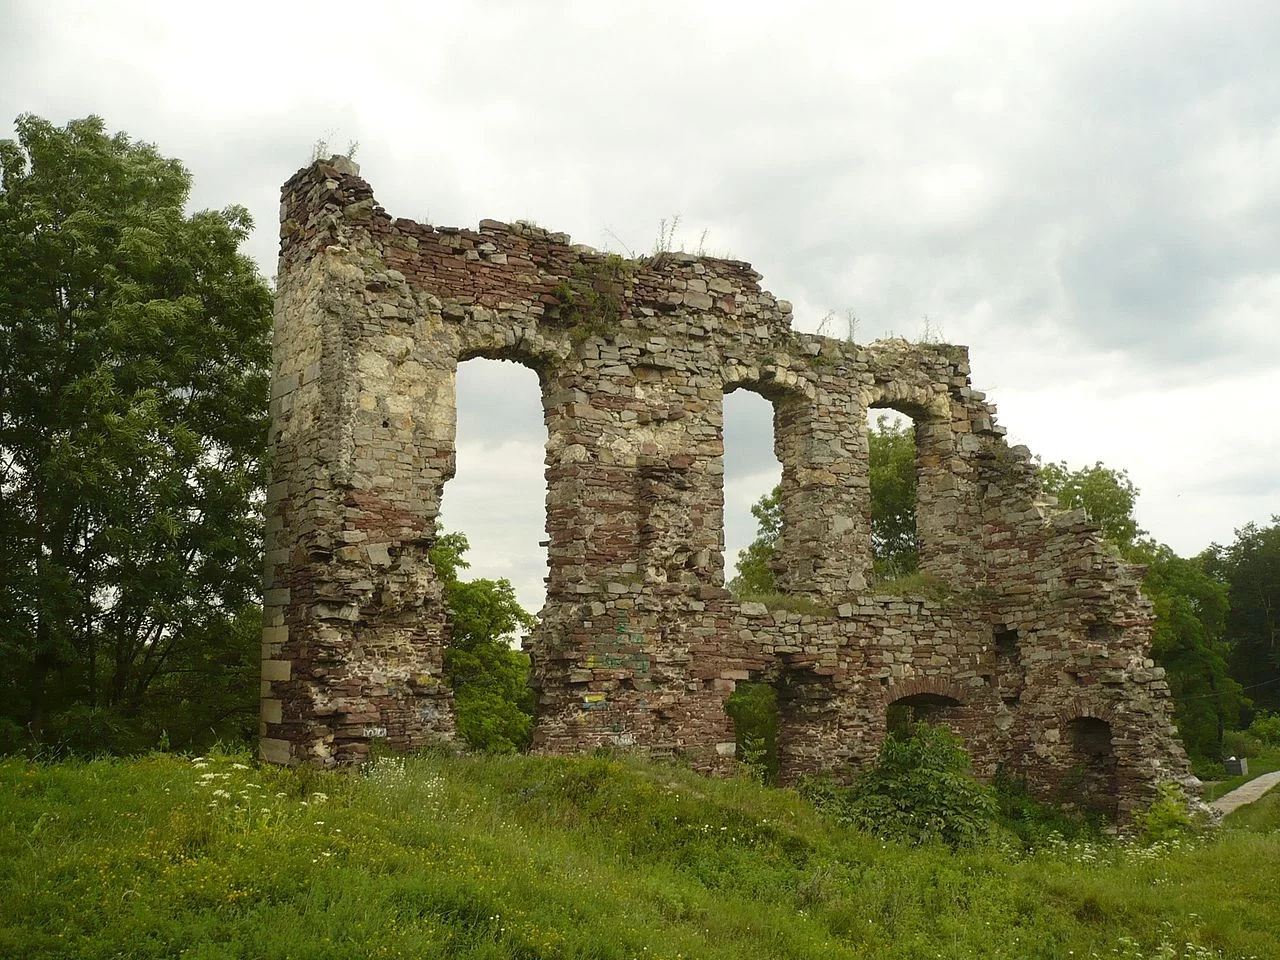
{"x": 1089, "y": 780}
{"x": 915, "y": 708}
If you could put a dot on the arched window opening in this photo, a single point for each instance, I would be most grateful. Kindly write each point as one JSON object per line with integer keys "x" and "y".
{"x": 752, "y": 512}
{"x": 891, "y": 472}
{"x": 918, "y": 708}
{"x": 1090, "y": 779}
{"x": 497, "y": 497}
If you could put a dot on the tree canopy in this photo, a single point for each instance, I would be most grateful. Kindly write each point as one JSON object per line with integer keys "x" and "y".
{"x": 1250, "y": 567}
{"x": 1189, "y": 640}
{"x": 755, "y": 577}
{"x": 134, "y": 350}
{"x": 891, "y": 447}
{"x": 1108, "y": 496}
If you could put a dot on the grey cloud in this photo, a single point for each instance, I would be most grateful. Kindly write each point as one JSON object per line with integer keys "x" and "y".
{"x": 1256, "y": 478}
{"x": 748, "y": 434}
{"x": 1069, "y": 193}
{"x": 499, "y": 401}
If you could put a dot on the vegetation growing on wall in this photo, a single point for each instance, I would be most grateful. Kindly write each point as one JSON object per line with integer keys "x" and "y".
{"x": 591, "y": 297}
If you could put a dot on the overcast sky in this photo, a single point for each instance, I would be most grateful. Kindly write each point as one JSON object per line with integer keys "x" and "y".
{"x": 1088, "y": 196}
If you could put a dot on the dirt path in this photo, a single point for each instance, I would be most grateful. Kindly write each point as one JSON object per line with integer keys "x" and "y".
{"x": 1247, "y": 793}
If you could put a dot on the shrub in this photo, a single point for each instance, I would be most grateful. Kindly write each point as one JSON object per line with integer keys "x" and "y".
{"x": 1033, "y": 822}
{"x": 1266, "y": 727}
{"x": 754, "y": 709}
{"x": 919, "y": 791}
{"x": 85, "y": 731}
{"x": 1168, "y": 817}
{"x": 1238, "y": 743}
{"x": 1207, "y": 770}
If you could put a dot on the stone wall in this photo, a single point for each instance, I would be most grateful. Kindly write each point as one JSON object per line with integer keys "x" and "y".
{"x": 1036, "y": 624}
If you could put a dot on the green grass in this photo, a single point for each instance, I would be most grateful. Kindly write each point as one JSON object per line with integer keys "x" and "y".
{"x": 789, "y": 603}
{"x": 1261, "y": 816}
{"x": 917, "y": 584}
{"x": 1268, "y": 762}
{"x": 593, "y": 857}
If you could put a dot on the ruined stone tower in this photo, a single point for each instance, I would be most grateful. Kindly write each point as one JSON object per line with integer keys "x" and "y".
{"x": 1035, "y": 647}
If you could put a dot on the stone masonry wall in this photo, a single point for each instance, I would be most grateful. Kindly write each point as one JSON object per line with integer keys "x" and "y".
{"x": 1035, "y": 647}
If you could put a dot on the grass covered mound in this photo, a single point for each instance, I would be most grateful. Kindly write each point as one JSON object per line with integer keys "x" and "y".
{"x": 592, "y": 857}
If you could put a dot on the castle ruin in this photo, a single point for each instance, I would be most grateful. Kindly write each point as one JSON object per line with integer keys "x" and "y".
{"x": 1035, "y": 649}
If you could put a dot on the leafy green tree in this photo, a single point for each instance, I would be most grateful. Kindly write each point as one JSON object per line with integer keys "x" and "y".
{"x": 895, "y": 551}
{"x": 134, "y": 350}
{"x": 493, "y": 702}
{"x": 1189, "y": 641}
{"x": 755, "y": 577}
{"x": 1108, "y": 496}
{"x": 1266, "y": 727}
{"x": 754, "y": 709}
{"x": 1250, "y": 566}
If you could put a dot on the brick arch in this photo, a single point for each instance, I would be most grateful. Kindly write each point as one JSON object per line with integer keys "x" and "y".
{"x": 937, "y": 686}
{"x": 917, "y": 400}
{"x": 769, "y": 381}
{"x": 499, "y": 341}
{"x": 1087, "y": 754}
{"x": 1078, "y": 709}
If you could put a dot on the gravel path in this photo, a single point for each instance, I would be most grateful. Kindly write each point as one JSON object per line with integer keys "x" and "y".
{"x": 1248, "y": 793}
